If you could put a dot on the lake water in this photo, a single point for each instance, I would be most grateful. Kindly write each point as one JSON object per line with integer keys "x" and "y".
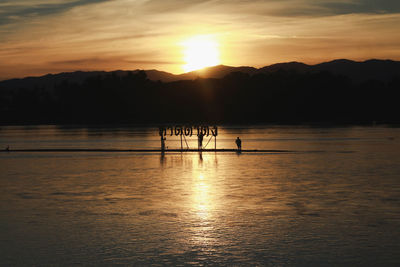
{"x": 334, "y": 201}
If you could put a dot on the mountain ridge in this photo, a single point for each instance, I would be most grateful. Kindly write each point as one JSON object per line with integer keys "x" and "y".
{"x": 358, "y": 71}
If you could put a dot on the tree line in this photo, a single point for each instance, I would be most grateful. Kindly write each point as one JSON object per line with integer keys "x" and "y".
{"x": 281, "y": 97}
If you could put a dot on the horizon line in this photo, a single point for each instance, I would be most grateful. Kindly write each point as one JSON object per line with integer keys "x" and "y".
{"x": 198, "y": 70}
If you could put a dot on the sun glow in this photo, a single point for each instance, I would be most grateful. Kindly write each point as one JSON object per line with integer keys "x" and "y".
{"x": 200, "y": 52}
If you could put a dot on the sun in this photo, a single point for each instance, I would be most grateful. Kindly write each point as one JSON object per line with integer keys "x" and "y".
{"x": 199, "y": 52}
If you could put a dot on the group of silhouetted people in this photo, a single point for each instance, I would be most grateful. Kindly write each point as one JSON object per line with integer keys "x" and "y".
{"x": 200, "y": 143}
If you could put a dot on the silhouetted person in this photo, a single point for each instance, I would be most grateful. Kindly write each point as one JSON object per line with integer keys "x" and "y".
{"x": 239, "y": 143}
{"x": 200, "y": 141}
{"x": 8, "y": 148}
{"x": 163, "y": 143}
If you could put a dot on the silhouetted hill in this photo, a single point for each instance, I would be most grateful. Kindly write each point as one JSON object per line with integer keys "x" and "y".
{"x": 156, "y": 75}
{"x": 290, "y": 66}
{"x": 216, "y": 72}
{"x": 50, "y": 80}
{"x": 382, "y": 70}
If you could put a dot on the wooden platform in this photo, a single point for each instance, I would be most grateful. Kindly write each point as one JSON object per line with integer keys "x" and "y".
{"x": 144, "y": 150}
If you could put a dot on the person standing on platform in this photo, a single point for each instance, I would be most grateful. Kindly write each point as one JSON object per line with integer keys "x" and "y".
{"x": 239, "y": 143}
{"x": 163, "y": 143}
{"x": 200, "y": 141}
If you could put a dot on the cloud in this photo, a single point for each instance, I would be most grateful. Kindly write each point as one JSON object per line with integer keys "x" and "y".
{"x": 361, "y": 6}
{"x": 284, "y": 8}
{"x": 320, "y": 8}
{"x": 165, "y": 6}
{"x": 13, "y": 11}
{"x": 103, "y": 61}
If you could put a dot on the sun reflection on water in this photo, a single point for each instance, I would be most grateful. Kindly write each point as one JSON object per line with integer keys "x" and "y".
{"x": 203, "y": 206}
{"x": 201, "y": 197}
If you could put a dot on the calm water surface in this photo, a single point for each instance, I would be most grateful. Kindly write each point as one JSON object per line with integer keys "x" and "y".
{"x": 335, "y": 201}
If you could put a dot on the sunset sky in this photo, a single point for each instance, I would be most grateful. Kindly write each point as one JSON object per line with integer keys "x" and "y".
{"x": 50, "y": 36}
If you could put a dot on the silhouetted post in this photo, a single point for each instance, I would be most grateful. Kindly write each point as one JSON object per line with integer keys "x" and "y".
{"x": 181, "y": 143}
{"x": 214, "y": 132}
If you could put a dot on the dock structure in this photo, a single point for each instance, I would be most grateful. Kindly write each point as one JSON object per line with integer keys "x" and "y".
{"x": 146, "y": 150}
